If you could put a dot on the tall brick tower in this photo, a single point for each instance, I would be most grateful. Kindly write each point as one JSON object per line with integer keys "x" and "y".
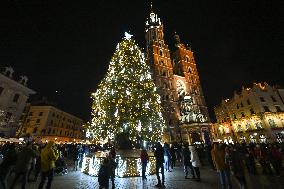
{"x": 158, "y": 55}
{"x": 177, "y": 80}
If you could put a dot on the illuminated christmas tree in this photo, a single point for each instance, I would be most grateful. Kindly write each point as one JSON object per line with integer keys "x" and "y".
{"x": 126, "y": 101}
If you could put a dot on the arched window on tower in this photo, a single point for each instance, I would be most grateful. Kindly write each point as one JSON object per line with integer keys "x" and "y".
{"x": 187, "y": 59}
{"x": 190, "y": 70}
{"x": 161, "y": 52}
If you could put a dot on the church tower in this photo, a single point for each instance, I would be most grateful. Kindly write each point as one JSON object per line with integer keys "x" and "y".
{"x": 158, "y": 55}
{"x": 177, "y": 81}
{"x": 184, "y": 65}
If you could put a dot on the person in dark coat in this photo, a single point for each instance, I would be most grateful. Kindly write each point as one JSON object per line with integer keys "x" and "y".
{"x": 76, "y": 158}
{"x": 33, "y": 163}
{"x": 173, "y": 156}
{"x": 103, "y": 175}
{"x": 9, "y": 161}
{"x": 159, "y": 155}
{"x": 237, "y": 166}
{"x": 186, "y": 156}
{"x": 112, "y": 166}
{"x": 144, "y": 161}
{"x": 37, "y": 166}
{"x": 22, "y": 166}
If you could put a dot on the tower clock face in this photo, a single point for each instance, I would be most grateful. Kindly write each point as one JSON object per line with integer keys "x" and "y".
{"x": 180, "y": 88}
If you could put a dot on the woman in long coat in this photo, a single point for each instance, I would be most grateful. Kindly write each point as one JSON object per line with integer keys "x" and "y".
{"x": 194, "y": 159}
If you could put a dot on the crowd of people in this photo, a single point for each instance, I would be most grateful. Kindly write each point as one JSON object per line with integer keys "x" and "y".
{"x": 236, "y": 159}
{"x": 27, "y": 161}
{"x": 229, "y": 160}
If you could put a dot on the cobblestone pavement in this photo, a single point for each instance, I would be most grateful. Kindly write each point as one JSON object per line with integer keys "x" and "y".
{"x": 174, "y": 180}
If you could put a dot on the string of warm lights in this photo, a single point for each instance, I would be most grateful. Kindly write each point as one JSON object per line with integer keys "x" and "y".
{"x": 126, "y": 99}
{"x": 127, "y": 166}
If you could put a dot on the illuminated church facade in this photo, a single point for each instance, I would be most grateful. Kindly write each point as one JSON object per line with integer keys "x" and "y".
{"x": 176, "y": 77}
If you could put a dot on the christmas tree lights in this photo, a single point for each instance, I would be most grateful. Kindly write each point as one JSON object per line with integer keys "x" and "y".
{"x": 126, "y": 100}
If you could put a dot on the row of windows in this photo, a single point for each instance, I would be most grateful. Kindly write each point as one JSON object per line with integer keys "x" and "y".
{"x": 272, "y": 98}
{"x": 62, "y": 125}
{"x": 258, "y": 125}
{"x": 53, "y": 115}
{"x": 39, "y": 114}
{"x": 252, "y": 112}
{"x": 50, "y": 131}
{"x": 164, "y": 73}
{"x": 260, "y": 98}
{"x": 242, "y": 105}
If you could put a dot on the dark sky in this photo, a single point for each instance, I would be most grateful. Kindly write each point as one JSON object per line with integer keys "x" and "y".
{"x": 66, "y": 45}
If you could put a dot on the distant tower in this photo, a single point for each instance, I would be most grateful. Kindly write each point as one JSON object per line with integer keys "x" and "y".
{"x": 185, "y": 66}
{"x": 178, "y": 84}
{"x": 158, "y": 55}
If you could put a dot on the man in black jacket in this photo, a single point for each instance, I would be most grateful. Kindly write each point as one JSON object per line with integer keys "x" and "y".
{"x": 159, "y": 155}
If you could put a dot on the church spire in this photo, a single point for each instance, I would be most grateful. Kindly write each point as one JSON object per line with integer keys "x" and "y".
{"x": 153, "y": 19}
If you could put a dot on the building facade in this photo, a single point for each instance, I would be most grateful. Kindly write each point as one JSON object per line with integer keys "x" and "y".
{"x": 254, "y": 115}
{"x": 176, "y": 77}
{"x": 46, "y": 123}
{"x": 13, "y": 96}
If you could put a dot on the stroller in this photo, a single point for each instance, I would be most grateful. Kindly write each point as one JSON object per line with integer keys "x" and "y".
{"x": 61, "y": 167}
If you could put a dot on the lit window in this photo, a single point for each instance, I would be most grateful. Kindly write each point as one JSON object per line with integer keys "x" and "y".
{"x": 187, "y": 59}
{"x": 258, "y": 125}
{"x": 189, "y": 69}
{"x": 272, "y": 123}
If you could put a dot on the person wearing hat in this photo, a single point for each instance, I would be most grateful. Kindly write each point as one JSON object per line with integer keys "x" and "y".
{"x": 48, "y": 157}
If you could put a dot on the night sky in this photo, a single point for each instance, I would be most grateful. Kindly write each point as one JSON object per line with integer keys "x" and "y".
{"x": 66, "y": 46}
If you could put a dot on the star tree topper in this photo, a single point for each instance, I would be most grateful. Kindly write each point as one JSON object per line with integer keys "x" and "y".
{"x": 127, "y": 35}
